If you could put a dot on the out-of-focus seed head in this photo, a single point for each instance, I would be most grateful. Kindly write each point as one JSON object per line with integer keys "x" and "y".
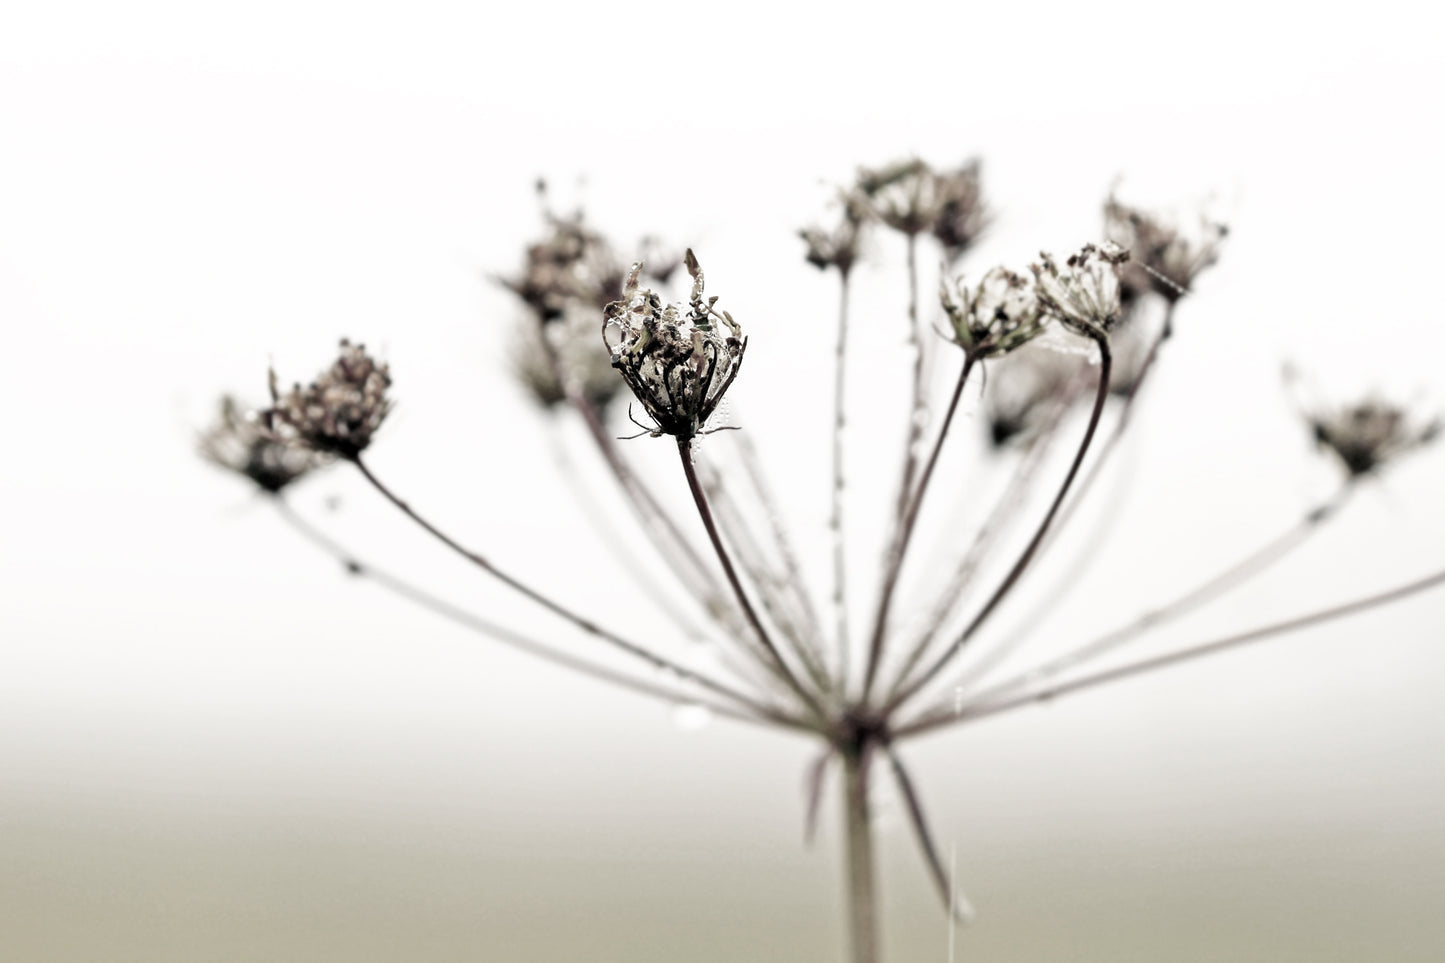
{"x": 1367, "y": 434}
{"x": 238, "y": 443}
{"x": 585, "y": 365}
{"x": 961, "y": 215}
{"x": 339, "y": 412}
{"x": 1083, "y": 294}
{"x": 912, "y": 198}
{"x": 1163, "y": 258}
{"x": 678, "y": 359}
{"x": 1025, "y": 391}
{"x": 901, "y": 195}
{"x": 573, "y": 263}
{"x": 1002, "y": 312}
{"x": 838, "y": 248}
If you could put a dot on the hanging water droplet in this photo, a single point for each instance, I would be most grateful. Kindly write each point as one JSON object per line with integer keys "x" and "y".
{"x": 958, "y": 700}
{"x": 690, "y": 717}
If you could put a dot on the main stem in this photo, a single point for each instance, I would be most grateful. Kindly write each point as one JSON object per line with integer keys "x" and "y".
{"x": 858, "y": 843}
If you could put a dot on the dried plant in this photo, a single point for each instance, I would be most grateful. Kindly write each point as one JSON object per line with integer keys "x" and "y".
{"x": 239, "y": 443}
{"x": 791, "y": 664}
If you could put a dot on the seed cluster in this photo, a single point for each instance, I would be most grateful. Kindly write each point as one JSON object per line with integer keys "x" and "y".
{"x": 673, "y": 356}
{"x": 1369, "y": 433}
{"x": 1083, "y": 294}
{"x": 1000, "y": 313}
{"x": 338, "y": 413}
{"x": 238, "y": 443}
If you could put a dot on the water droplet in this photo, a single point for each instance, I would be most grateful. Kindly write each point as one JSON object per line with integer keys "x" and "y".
{"x": 958, "y": 700}
{"x": 690, "y": 717}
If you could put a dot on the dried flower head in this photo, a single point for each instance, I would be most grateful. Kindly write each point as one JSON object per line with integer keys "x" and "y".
{"x": 961, "y": 215}
{"x": 1024, "y": 391}
{"x": 901, "y": 195}
{"x": 572, "y": 263}
{"x": 338, "y": 413}
{"x": 237, "y": 442}
{"x": 673, "y": 356}
{"x": 1164, "y": 258}
{"x": 1369, "y": 433}
{"x": 1002, "y": 312}
{"x": 575, "y": 264}
{"x": 838, "y": 248}
{"x": 1084, "y": 294}
{"x": 569, "y": 346}
{"x": 911, "y": 197}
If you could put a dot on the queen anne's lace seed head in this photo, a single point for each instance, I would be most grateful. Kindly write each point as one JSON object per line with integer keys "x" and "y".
{"x": 678, "y": 359}
{"x": 1369, "y": 433}
{"x": 573, "y": 263}
{"x": 838, "y": 248}
{"x": 961, "y": 215}
{"x": 912, "y": 198}
{"x": 1000, "y": 313}
{"x": 901, "y": 195}
{"x": 1164, "y": 258}
{"x": 1084, "y": 293}
{"x": 339, "y": 412}
{"x": 238, "y": 443}
{"x": 584, "y": 365}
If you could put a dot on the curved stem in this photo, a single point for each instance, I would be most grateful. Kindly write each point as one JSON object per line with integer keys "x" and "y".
{"x": 907, "y": 690}
{"x": 941, "y": 717}
{"x": 614, "y": 540}
{"x": 1126, "y": 414}
{"x": 1002, "y": 512}
{"x": 677, "y": 551}
{"x": 1253, "y": 563}
{"x": 439, "y": 606}
{"x": 585, "y": 624}
{"x": 770, "y": 586}
{"x": 774, "y": 657}
{"x": 905, "y": 533}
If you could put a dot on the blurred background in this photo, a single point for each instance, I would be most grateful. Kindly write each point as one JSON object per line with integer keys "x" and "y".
{"x": 216, "y": 746}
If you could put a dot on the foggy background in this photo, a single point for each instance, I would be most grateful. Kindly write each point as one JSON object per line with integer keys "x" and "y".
{"x": 214, "y": 746}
